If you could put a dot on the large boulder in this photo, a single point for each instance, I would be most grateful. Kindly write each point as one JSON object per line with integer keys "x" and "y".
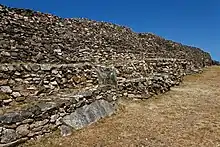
{"x": 89, "y": 114}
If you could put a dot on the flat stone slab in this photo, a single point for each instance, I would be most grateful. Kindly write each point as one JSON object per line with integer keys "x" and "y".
{"x": 89, "y": 114}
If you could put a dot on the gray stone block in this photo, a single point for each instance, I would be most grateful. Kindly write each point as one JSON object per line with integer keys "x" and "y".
{"x": 89, "y": 114}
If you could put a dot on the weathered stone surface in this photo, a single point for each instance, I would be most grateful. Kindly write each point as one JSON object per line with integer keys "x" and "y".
{"x": 22, "y": 130}
{"x": 35, "y": 110}
{"x": 81, "y": 95}
{"x": 20, "y": 99}
{"x": 65, "y": 130}
{"x": 39, "y": 123}
{"x": 27, "y": 121}
{"x": 7, "y": 54}
{"x": 88, "y": 114}
{"x": 4, "y": 96}
{"x": 47, "y": 106}
{"x": 53, "y": 118}
{"x": 9, "y": 118}
{"x": 46, "y": 67}
{"x": 17, "y": 73}
{"x": 35, "y": 67}
{"x": 7, "y": 101}
{"x": 3, "y": 68}
{"x": 5, "y": 89}
{"x": 54, "y": 71}
{"x": 8, "y": 135}
{"x": 54, "y": 83}
{"x": 3, "y": 82}
{"x": 16, "y": 94}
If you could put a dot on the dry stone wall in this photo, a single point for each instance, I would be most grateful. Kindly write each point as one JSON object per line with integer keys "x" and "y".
{"x": 39, "y": 98}
{"x": 61, "y": 111}
{"x": 29, "y": 36}
{"x": 25, "y": 80}
{"x": 167, "y": 48}
{"x": 65, "y": 74}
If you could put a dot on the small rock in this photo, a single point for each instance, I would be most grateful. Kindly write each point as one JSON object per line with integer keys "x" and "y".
{"x": 31, "y": 134}
{"x": 4, "y": 96}
{"x": 17, "y": 73}
{"x": 11, "y": 68}
{"x": 5, "y": 89}
{"x": 20, "y": 99}
{"x": 53, "y": 118}
{"x": 59, "y": 75}
{"x": 31, "y": 88}
{"x": 10, "y": 126}
{"x": 16, "y": 94}
{"x": 46, "y": 67}
{"x": 60, "y": 54}
{"x": 55, "y": 71}
{"x": 125, "y": 94}
{"x": 22, "y": 130}
{"x": 39, "y": 123}
{"x": 24, "y": 93}
{"x": 35, "y": 67}
{"x": 29, "y": 79}
{"x": 14, "y": 54}
{"x": 114, "y": 98}
{"x": 52, "y": 86}
{"x": 57, "y": 50}
{"x": 6, "y": 54}
{"x": 64, "y": 80}
{"x": 47, "y": 86}
{"x": 37, "y": 129}
{"x": 3, "y": 82}
{"x": 27, "y": 67}
{"x": 36, "y": 79}
{"x": 54, "y": 83}
{"x": 27, "y": 121}
{"x": 7, "y": 101}
{"x": 18, "y": 80}
{"x": 3, "y": 68}
{"x": 59, "y": 121}
{"x": 8, "y": 135}
{"x": 65, "y": 130}
{"x": 131, "y": 95}
{"x": 99, "y": 97}
{"x": 46, "y": 82}
{"x": 34, "y": 75}
{"x": 47, "y": 106}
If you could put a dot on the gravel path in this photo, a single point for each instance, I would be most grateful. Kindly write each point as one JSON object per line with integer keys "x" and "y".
{"x": 188, "y": 115}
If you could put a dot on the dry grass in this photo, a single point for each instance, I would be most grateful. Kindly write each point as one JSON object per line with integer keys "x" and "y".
{"x": 188, "y": 115}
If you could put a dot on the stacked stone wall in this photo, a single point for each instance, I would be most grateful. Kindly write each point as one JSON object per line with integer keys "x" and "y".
{"x": 65, "y": 74}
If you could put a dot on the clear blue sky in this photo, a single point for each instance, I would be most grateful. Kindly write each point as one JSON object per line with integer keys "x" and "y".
{"x": 191, "y": 22}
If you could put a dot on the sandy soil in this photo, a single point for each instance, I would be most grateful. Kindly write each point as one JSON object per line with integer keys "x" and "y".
{"x": 188, "y": 115}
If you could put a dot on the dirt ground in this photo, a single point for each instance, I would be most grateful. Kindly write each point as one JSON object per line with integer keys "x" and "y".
{"x": 188, "y": 115}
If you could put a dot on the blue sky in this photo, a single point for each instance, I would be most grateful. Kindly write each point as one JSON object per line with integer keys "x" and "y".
{"x": 191, "y": 22}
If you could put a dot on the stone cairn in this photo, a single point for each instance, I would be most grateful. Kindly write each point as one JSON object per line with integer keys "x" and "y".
{"x": 65, "y": 74}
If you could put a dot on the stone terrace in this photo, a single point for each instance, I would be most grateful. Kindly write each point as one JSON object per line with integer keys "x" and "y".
{"x": 68, "y": 73}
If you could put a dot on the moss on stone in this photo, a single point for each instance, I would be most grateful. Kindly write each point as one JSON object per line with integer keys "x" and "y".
{"x": 4, "y": 96}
